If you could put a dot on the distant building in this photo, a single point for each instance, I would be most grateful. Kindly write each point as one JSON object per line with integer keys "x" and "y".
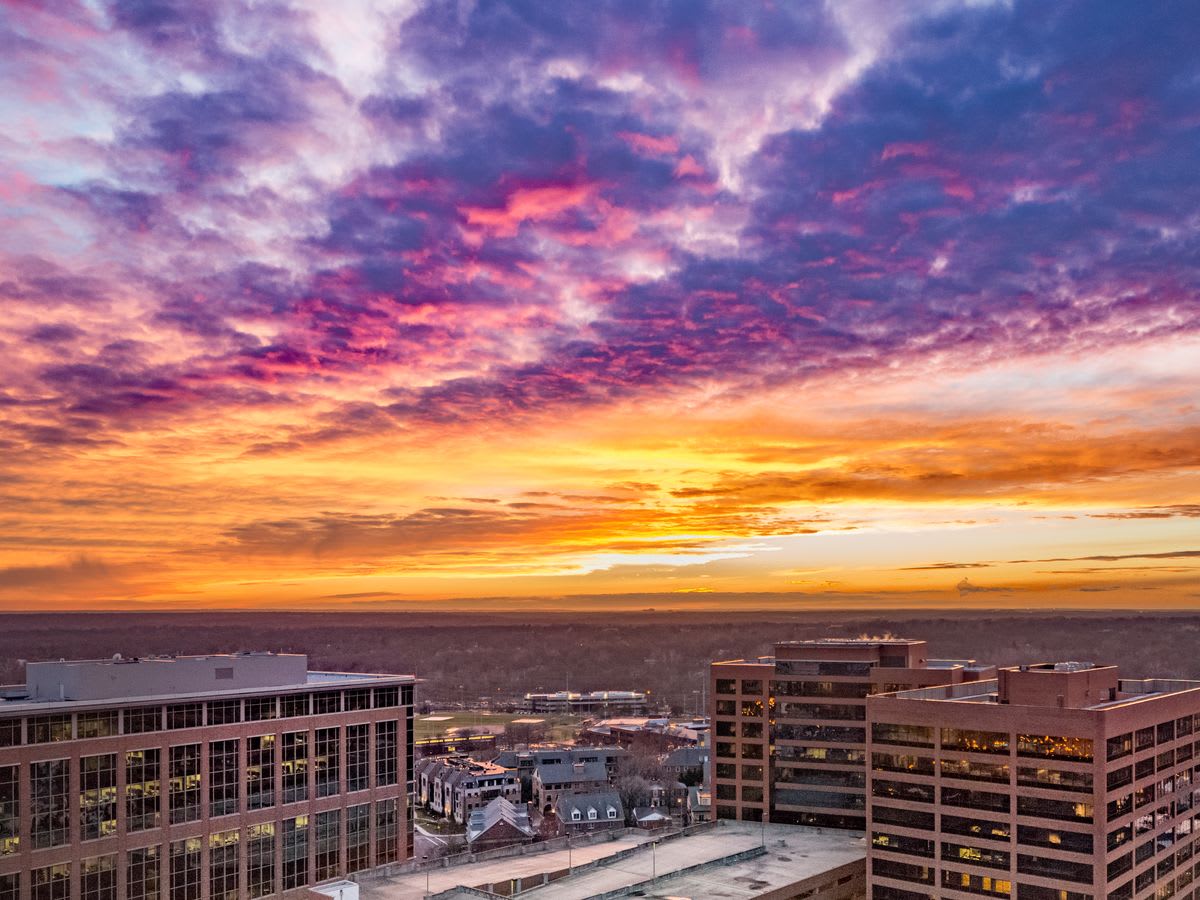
{"x": 222, "y": 776}
{"x": 1052, "y": 782}
{"x": 456, "y": 786}
{"x": 553, "y": 780}
{"x": 648, "y": 735}
{"x": 591, "y": 703}
{"x": 699, "y": 805}
{"x": 590, "y": 812}
{"x": 688, "y": 764}
{"x": 789, "y": 731}
{"x": 651, "y": 818}
{"x": 525, "y": 762}
{"x": 499, "y": 824}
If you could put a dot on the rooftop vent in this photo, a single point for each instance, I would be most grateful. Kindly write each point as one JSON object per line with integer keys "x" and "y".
{"x": 1073, "y": 666}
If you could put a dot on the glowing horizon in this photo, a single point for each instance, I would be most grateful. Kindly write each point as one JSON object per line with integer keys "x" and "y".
{"x": 518, "y": 305}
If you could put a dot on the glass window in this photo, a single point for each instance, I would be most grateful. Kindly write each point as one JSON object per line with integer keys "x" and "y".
{"x": 47, "y": 729}
{"x": 97, "y": 796}
{"x": 902, "y": 762}
{"x": 902, "y": 790}
{"x": 975, "y": 799}
{"x": 726, "y": 686}
{"x": 978, "y": 828}
{"x": 328, "y": 825}
{"x": 143, "y": 720}
{"x": 1055, "y": 746}
{"x": 1055, "y": 779}
{"x": 387, "y": 749}
{"x": 969, "y": 741}
{"x": 223, "y": 852}
{"x": 224, "y": 778}
{"x": 98, "y": 878}
{"x": 791, "y": 709}
{"x": 1054, "y": 868}
{"x": 51, "y": 882}
{"x": 976, "y": 884}
{"x": 260, "y": 872}
{"x": 1166, "y": 732}
{"x": 184, "y": 784}
{"x": 224, "y": 712}
{"x": 325, "y": 760}
{"x": 1119, "y": 746}
{"x": 886, "y": 815}
{"x": 750, "y": 729}
{"x": 141, "y": 874}
{"x": 751, "y": 709}
{"x": 185, "y": 715}
{"x": 10, "y": 886}
{"x": 1143, "y": 738}
{"x": 977, "y": 856}
{"x": 821, "y": 667}
{"x": 10, "y": 810}
{"x": 357, "y": 699}
{"x": 293, "y": 705}
{"x": 50, "y": 803}
{"x": 1183, "y": 726}
{"x": 1067, "y": 810}
{"x": 899, "y": 843}
{"x": 1055, "y": 839}
{"x": 975, "y": 771}
{"x": 295, "y": 852}
{"x": 260, "y": 771}
{"x": 185, "y": 869}
{"x": 10, "y": 732}
{"x": 909, "y": 735}
{"x": 142, "y": 789}
{"x": 726, "y": 707}
{"x": 327, "y": 702}
{"x": 387, "y": 832}
{"x": 386, "y": 697}
{"x": 752, "y": 686}
{"x": 358, "y": 826}
{"x": 357, "y": 758}
{"x": 294, "y": 766}
{"x": 259, "y": 709}
{"x": 98, "y": 724}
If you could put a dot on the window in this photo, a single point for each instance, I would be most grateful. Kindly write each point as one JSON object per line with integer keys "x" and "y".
{"x": 1054, "y": 868}
{"x": 185, "y": 869}
{"x": 260, "y": 771}
{"x": 295, "y": 852}
{"x": 1166, "y": 732}
{"x": 790, "y": 709}
{"x": 1055, "y": 746}
{"x": 752, "y": 686}
{"x": 387, "y": 697}
{"x": 976, "y": 884}
{"x": 387, "y": 831}
{"x": 328, "y": 835}
{"x": 978, "y": 828}
{"x": 975, "y": 799}
{"x": 1055, "y": 839}
{"x": 185, "y": 715}
{"x": 898, "y": 843}
{"x": 294, "y": 766}
{"x": 293, "y": 705}
{"x": 97, "y": 796}
{"x": 327, "y": 702}
{"x": 969, "y": 741}
{"x": 223, "y": 852}
{"x": 143, "y": 720}
{"x": 1143, "y": 738}
{"x": 184, "y": 784}
{"x": 886, "y": 815}
{"x": 224, "y": 712}
{"x": 357, "y": 758}
{"x": 98, "y": 724}
{"x": 726, "y": 707}
{"x": 975, "y": 771}
{"x": 50, "y": 803}
{"x": 358, "y": 699}
{"x": 259, "y": 709}
{"x": 224, "y": 778}
{"x": 576, "y": 815}
{"x": 1056, "y": 779}
{"x": 902, "y": 790}
{"x": 908, "y": 735}
{"x": 726, "y": 686}
{"x": 892, "y": 868}
{"x": 358, "y": 837}
{"x": 260, "y": 870}
{"x": 10, "y": 887}
{"x": 1067, "y": 810}
{"x": 98, "y": 878}
{"x": 387, "y": 762}
{"x": 820, "y": 667}
{"x": 750, "y": 729}
{"x": 822, "y": 689}
{"x": 325, "y": 760}
{"x": 592, "y": 814}
{"x": 10, "y": 811}
{"x": 51, "y": 883}
{"x": 47, "y": 730}
{"x": 142, "y": 789}
{"x": 833, "y": 733}
{"x": 976, "y": 856}
{"x": 10, "y": 736}
{"x": 1119, "y": 746}
{"x": 141, "y": 874}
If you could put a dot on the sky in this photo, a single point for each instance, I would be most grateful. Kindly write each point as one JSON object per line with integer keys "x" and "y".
{"x": 507, "y": 305}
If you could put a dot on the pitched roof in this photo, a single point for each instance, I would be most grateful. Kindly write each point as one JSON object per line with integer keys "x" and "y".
{"x": 571, "y": 773}
{"x": 601, "y": 802}
{"x": 499, "y": 810}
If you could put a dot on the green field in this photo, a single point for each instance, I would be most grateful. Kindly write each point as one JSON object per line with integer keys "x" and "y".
{"x": 557, "y": 728}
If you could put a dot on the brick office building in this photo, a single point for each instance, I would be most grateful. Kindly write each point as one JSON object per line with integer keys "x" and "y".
{"x": 199, "y": 778}
{"x": 1052, "y": 782}
{"x": 789, "y": 730}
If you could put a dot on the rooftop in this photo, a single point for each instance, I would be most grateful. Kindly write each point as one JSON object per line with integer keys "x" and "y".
{"x": 92, "y": 682}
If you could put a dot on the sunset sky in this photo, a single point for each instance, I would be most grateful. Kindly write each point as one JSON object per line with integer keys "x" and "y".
{"x": 386, "y": 304}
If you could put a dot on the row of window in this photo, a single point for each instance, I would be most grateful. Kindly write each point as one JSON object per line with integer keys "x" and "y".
{"x": 984, "y": 886}
{"x": 748, "y": 686}
{"x": 145, "y": 878}
{"x": 982, "y": 856}
{"x": 994, "y": 742}
{"x": 1027, "y": 776}
{"x": 912, "y": 792}
{"x": 151, "y": 773}
{"x": 1145, "y": 738}
{"x": 142, "y": 720}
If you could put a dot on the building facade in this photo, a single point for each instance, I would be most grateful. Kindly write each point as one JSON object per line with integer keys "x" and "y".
{"x": 589, "y": 703}
{"x": 199, "y": 778}
{"x": 789, "y": 731}
{"x": 1052, "y": 782}
{"x": 456, "y": 786}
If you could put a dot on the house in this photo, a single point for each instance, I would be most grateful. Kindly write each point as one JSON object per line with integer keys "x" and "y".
{"x": 525, "y": 762}
{"x": 499, "y": 824}
{"x": 699, "y": 805}
{"x": 651, "y": 818}
{"x": 552, "y": 780}
{"x": 590, "y": 812}
{"x": 456, "y": 786}
{"x": 688, "y": 764}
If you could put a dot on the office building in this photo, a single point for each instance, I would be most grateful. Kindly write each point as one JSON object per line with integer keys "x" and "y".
{"x": 199, "y": 777}
{"x": 789, "y": 730}
{"x": 1052, "y": 782}
{"x": 589, "y": 703}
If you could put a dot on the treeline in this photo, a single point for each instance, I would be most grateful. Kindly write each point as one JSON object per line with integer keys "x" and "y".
{"x": 465, "y": 657}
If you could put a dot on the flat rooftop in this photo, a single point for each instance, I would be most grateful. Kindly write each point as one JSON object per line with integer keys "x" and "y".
{"x": 794, "y": 853}
{"x": 68, "y": 684}
{"x": 851, "y": 642}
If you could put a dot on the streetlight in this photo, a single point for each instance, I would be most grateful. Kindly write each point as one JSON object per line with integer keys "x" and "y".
{"x": 425, "y": 862}
{"x": 569, "y": 863}
{"x": 653, "y": 860}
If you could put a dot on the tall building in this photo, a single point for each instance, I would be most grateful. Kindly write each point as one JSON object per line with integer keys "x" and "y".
{"x": 1051, "y": 782}
{"x": 216, "y": 777}
{"x": 789, "y": 730}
